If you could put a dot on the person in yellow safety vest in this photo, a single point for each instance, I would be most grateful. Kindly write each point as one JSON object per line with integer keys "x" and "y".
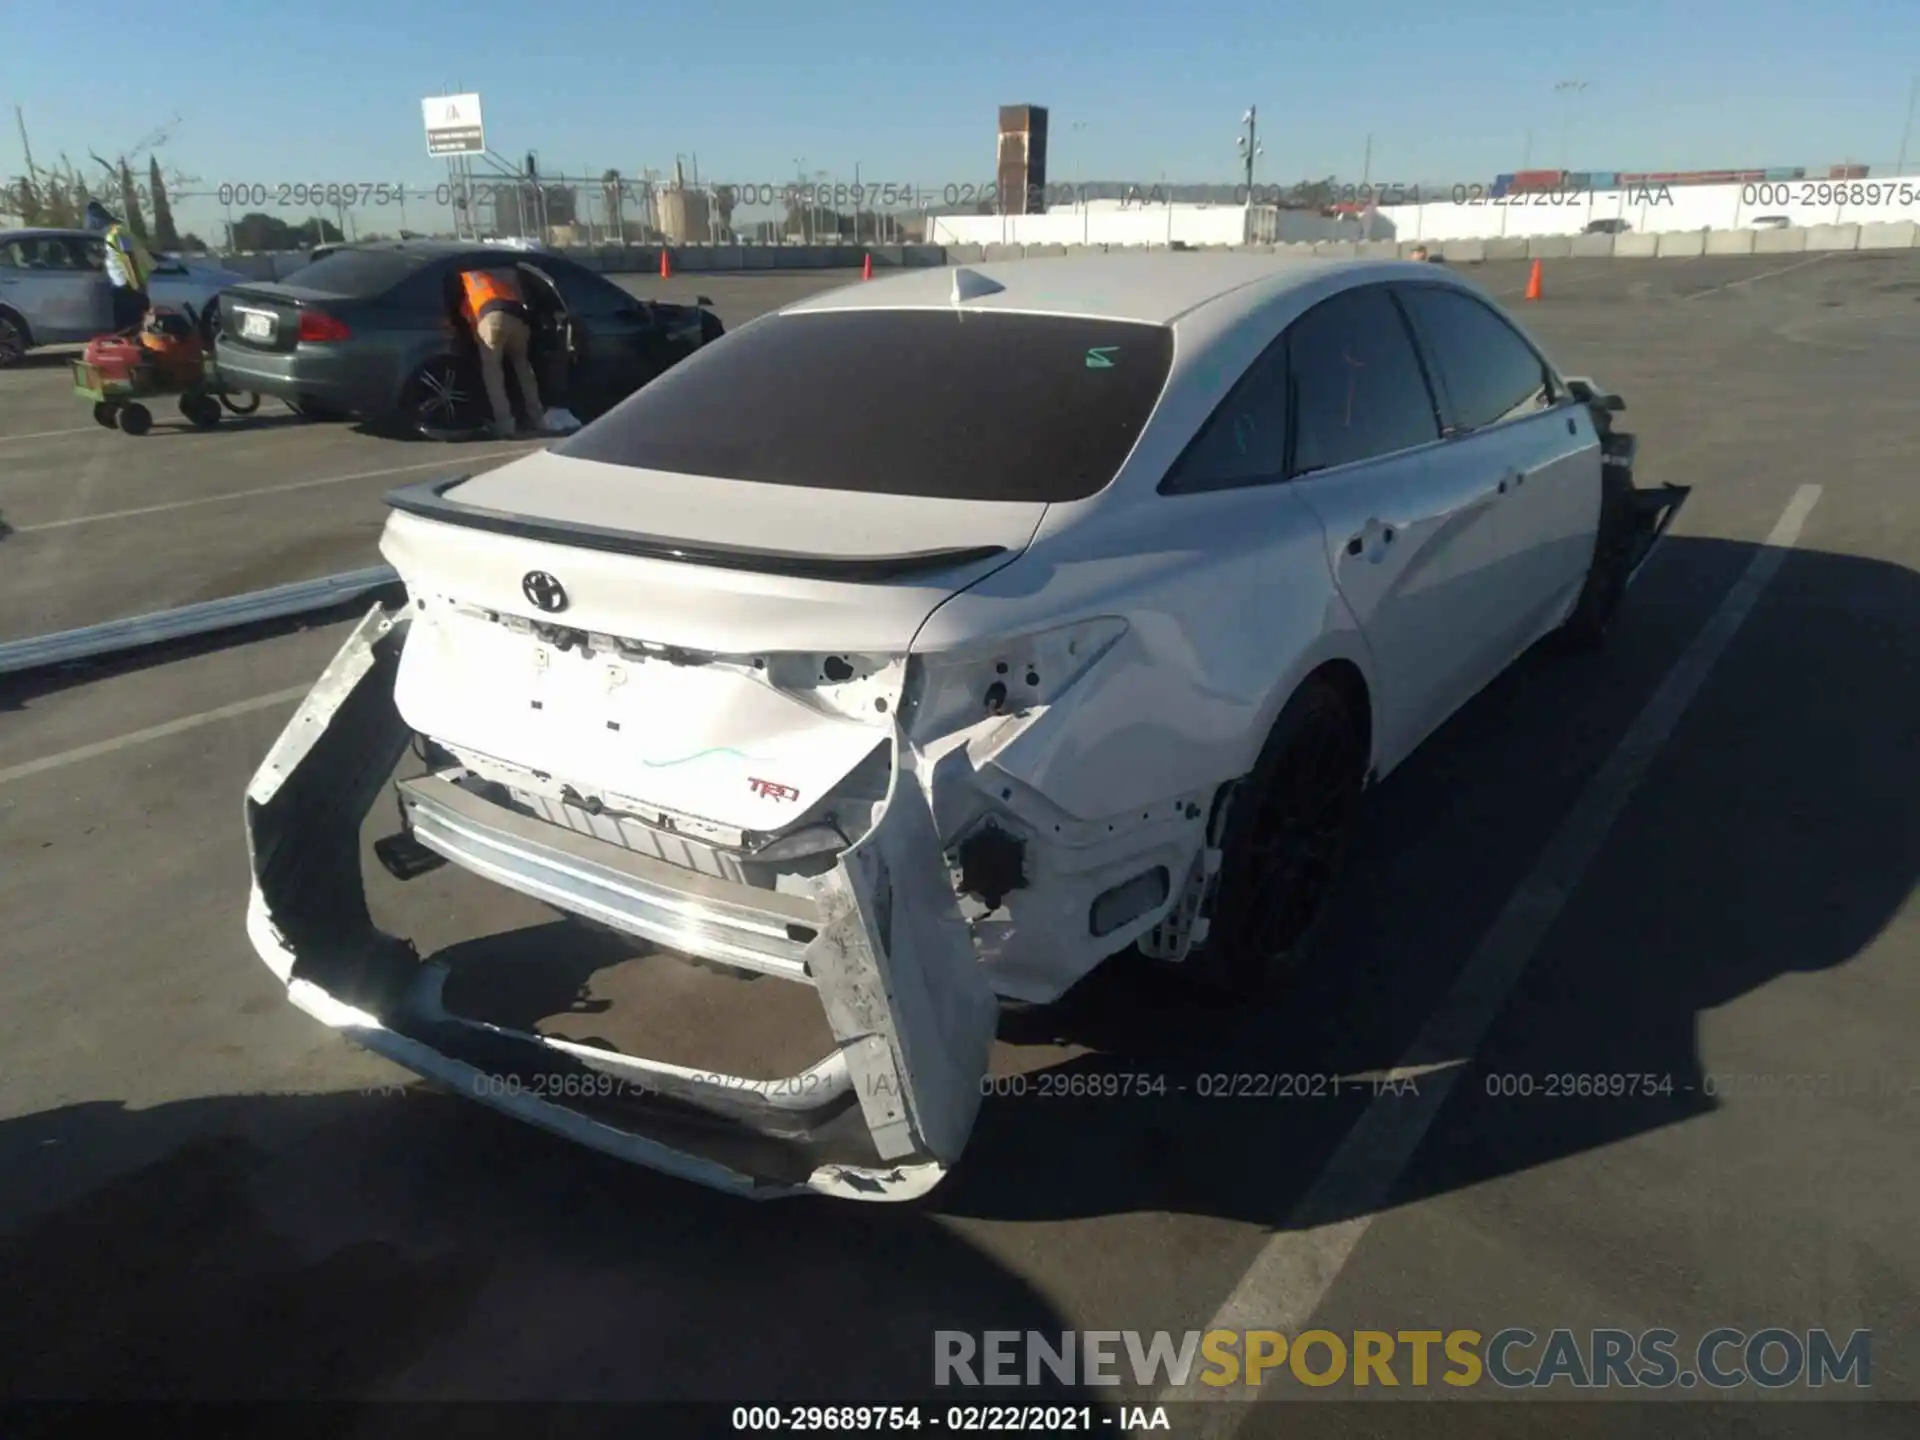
{"x": 128, "y": 267}
{"x": 496, "y": 308}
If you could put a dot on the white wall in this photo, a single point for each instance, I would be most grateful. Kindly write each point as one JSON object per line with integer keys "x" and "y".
{"x": 1196, "y": 225}
{"x": 1688, "y": 207}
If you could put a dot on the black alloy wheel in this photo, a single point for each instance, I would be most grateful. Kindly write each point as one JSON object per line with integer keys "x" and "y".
{"x": 1288, "y": 830}
{"x": 443, "y": 400}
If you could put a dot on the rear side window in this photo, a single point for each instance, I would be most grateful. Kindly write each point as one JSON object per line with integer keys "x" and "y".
{"x": 1487, "y": 372}
{"x": 927, "y": 403}
{"x": 1245, "y": 440}
{"x": 1357, "y": 387}
{"x": 359, "y": 274}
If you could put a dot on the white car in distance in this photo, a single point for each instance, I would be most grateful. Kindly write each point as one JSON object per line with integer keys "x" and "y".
{"x": 927, "y": 643}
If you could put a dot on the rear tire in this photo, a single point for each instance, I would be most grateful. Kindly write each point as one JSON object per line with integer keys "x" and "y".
{"x": 441, "y": 400}
{"x": 106, "y": 413}
{"x": 14, "y": 340}
{"x": 1289, "y": 826}
{"x": 203, "y": 411}
{"x": 244, "y": 403}
{"x": 135, "y": 419}
{"x": 1586, "y": 628}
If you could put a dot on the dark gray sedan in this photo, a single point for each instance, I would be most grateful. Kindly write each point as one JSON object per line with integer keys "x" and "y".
{"x": 374, "y": 331}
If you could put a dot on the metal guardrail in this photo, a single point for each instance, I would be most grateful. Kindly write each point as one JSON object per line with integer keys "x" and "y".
{"x": 118, "y": 636}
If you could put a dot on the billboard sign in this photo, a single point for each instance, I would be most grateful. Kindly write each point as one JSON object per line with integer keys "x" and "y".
{"x": 453, "y": 125}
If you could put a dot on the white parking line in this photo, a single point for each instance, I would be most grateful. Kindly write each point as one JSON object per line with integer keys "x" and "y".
{"x": 152, "y": 732}
{"x": 1763, "y": 275}
{"x": 49, "y": 434}
{"x": 1295, "y": 1269}
{"x": 262, "y": 490}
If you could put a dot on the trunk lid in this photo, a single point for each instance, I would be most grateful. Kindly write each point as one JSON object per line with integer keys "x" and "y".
{"x": 599, "y": 625}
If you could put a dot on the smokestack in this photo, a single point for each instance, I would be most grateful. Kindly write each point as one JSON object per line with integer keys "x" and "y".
{"x": 1020, "y": 169}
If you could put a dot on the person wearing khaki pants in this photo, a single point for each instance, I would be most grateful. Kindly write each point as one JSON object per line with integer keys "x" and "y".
{"x": 497, "y": 309}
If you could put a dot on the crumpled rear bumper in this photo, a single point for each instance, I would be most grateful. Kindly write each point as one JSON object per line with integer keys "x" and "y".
{"x": 882, "y": 1116}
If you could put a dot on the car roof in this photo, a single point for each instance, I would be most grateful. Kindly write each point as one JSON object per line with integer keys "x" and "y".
{"x": 1163, "y": 288}
{"x": 41, "y": 232}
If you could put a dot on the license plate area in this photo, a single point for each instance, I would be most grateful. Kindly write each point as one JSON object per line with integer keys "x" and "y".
{"x": 699, "y": 740}
{"x": 257, "y": 324}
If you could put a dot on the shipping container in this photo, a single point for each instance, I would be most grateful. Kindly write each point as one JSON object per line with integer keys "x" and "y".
{"x": 1847, "y": 172}
{"x": 1536, "y": 177}
{"x": 1792, "y": 172}
{"x": 1506, "y": 179}
{"x": 1502, "y": 187}
{"x": 1579, "y": 180}
{"x": 1603, "y": 180}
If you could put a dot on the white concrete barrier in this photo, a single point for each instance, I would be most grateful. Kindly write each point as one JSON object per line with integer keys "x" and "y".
{"x": 1379, "y": 249}
{"x": 1554, "y": 247}
{"x": 1006, "y": 252}
{"x": 1833, "y": 237}
{"x": 1682, "y": 244}
{"x": 1779, "y": 242}
{"x": 1466, "y": 251}
{"x": 1637, "y": 245}
{"x": 1730, "y": 242}
{"x": 1592, "y": 247}
{"x": 1507, "y": 247}
{"x": 1890, "y": 235}
{"x": 1343, "y": 249}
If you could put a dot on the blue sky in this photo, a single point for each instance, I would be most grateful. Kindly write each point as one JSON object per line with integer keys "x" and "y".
{"x": 331, "y": 91}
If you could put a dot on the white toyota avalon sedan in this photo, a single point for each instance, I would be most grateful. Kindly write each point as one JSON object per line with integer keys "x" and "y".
{"x": 927, "y": 643}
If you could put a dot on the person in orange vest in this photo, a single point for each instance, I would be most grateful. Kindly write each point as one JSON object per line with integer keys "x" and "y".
{"x": 496, "y": 308}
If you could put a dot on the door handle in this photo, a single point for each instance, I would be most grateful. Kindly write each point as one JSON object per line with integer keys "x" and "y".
{"x": 1512, "y": 480}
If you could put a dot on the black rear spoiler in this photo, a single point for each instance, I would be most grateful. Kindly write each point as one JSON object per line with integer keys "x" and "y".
{"x": 430, "y": 501}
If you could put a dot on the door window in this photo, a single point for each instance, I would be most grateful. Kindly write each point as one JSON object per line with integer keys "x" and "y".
{"x": 1355, "y": 382}
{"x": 1486, "y": 370}
{"x": 1245, "y": 440}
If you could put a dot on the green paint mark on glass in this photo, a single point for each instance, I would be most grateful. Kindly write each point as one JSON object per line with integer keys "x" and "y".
{"x": 1100, "y": 357}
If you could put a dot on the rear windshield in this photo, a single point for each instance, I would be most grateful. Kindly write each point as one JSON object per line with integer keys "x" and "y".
{"x": 927, "y": 403}
{"x": 359, "y": 273}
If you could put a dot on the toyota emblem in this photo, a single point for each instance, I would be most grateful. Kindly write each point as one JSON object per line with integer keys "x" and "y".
{"x": 544, "y": 591}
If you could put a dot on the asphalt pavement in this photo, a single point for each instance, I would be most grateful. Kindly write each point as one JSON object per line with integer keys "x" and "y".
{"x": 1691, "y": 858}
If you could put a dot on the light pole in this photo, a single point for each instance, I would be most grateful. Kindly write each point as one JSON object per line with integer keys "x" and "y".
{"x": 1366, "y": 164}
{"x": 1571, "y": 89}
{"x": 1250, "y": 148}
{"x": 1906, "y": 131}
{"x": 1074, "y": 129}
{"x": 799, "y": 195}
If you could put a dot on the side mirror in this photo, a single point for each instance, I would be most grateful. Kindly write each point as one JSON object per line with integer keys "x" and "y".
{"x": 1587, "y": 393}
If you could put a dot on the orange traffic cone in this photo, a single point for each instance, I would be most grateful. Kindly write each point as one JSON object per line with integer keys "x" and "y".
{"x": 666, "y": 263}
{"x": 1533, "y": 282}
{"x": 866, "y": 268}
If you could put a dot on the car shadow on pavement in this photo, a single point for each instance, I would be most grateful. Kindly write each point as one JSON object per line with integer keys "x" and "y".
{"x": 1769, "y": 838}
{"x": 405, "y": 1244}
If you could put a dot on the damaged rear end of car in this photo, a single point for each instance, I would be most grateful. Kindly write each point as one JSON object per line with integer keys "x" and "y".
{"x": 669, "y": 685}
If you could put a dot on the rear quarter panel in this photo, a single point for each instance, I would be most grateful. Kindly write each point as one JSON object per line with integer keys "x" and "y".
{"x": 1229, "y": 606}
